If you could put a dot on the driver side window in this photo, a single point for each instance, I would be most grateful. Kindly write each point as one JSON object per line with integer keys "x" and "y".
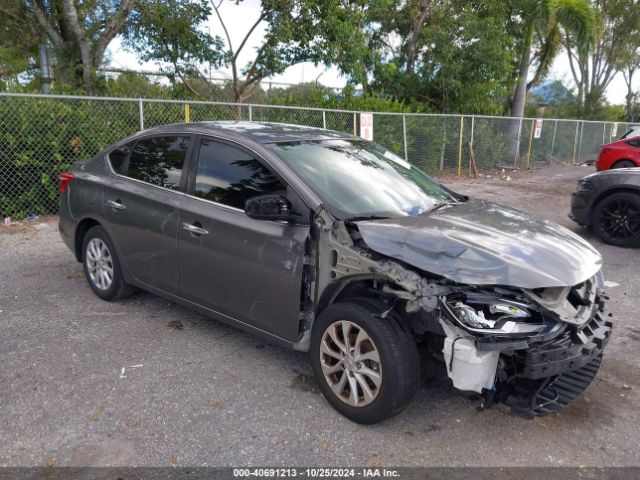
{"x": 230, "y": 176}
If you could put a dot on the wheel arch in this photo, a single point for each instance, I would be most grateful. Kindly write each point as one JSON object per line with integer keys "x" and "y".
{"x": 620, "y": 160}
{"x": 348, "y": 287}
{"x": 81, "y": 230}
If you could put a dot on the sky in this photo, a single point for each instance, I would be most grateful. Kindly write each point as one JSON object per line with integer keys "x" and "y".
{"x": 239, "y": 18}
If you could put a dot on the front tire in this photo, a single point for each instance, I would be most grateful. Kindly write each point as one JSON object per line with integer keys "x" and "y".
{"x": 616, "y": 219}
{"x": 367, "y": 366}
{"x": 101, "y": 266}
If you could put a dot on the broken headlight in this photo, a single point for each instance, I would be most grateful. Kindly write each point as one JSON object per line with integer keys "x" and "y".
{"x": 493, "y": 313}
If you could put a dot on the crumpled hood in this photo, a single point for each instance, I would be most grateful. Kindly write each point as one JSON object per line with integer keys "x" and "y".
{"x": 481, "y": 243}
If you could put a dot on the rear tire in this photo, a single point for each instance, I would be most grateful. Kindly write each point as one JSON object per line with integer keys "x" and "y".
{"x": 374, "y": 374}
{"x": 624, "y": 164}
{"x": 101, "y": 266}
{"x": 616, "y": 219}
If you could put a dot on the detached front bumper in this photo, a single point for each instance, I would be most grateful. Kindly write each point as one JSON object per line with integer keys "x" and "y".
{"x": 549, "y": 376}
{"x": 570, "y": 351}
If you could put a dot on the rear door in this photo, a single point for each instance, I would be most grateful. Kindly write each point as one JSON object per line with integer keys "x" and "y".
{"x": 250, "y": 270}
{"x": 141, "y": 206}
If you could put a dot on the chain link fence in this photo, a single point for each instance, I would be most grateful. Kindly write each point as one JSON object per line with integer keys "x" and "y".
{"x": 41, "y": 136}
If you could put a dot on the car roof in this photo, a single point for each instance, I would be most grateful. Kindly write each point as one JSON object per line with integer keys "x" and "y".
{"x": 263, "y": 132}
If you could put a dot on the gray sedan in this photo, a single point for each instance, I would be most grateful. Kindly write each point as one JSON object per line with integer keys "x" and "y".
{"x": 331, "y": 244}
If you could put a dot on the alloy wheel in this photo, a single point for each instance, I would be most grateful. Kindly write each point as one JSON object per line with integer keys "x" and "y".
{"x": 351, "y": 363}
{"x": 620, "y": 220}
{"x": 99, "y": 263}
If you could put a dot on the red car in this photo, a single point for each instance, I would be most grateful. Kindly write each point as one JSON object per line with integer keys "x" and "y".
{"x": 623, "y": 153}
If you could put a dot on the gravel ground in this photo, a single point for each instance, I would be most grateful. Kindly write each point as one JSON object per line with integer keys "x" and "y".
{"x": 196, "y": 392}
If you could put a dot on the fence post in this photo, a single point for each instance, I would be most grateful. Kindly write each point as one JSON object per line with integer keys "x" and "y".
{"x": 354, "y": 124}
{"x": 580, "y": 141}
{"x": 404, "y": 135}
{"x": 324, "y": 119}
{"x": 187, "y": 113}
{"x": 460, "y": 146}
{"x": 444, "y": 142}
{"x": 553, "y": 142}
{"x": 533, "y": 122}
{"x": 575, "y": 142}
{"x": 604, "y": 131}
{"x": 473, "y": 122}
{"x": 515, "y": 160}
{"x": 141, "y": 113}
{"x": 250, "y": 113}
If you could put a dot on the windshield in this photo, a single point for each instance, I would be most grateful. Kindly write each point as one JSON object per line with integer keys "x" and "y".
{"x": 357, "y": 178}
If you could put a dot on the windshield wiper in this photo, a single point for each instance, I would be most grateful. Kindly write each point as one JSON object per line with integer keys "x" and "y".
{"x": 366, "y": 217}
{"x": 442, "y": 204}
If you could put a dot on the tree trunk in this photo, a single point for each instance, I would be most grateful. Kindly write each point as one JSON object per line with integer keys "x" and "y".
{"x": 520, "y": 95}
{"x": 628, "y": 78}
{"x": 237, "y": 98}
{"x": 71, "y": 15}
{"x": 415, "y": 34}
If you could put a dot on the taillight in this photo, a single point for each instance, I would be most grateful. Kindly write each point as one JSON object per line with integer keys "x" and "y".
{"x": 65, "y": 179}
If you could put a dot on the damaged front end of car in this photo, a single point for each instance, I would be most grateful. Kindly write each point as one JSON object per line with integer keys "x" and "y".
{"x": 533, "y": 349}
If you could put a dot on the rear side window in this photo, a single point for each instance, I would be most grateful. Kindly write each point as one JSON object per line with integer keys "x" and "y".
{"x": 158, "y": 160}
{"x": 230, "y": 176}
{"x": 118, "y": 157}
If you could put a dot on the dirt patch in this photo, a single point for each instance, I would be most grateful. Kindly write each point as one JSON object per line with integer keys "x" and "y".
{"x": 27, "y": 226}
{"x": 175, "y": 325}
{"x": 305, "y": 383}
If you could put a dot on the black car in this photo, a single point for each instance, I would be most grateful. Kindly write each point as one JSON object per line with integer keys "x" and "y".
{"x": 609, "y": 203}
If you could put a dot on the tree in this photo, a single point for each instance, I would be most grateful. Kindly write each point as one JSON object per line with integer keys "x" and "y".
{"x": 450, "y": 56}
{"x": 295, "y": 31}
{"x": 546, "y": 18}
{"x": 630, "y": 67}
{"x": 594, "y": 69}
{"x": 93, "y": 28}
{"x": 350, "y": 36}
{"x": 171, "y": 31}
{"x": 18, "y": 42}
{"x": 79, "y": 31}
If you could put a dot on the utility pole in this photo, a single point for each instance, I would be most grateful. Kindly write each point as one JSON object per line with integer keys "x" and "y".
{"x": 46, "y": 69}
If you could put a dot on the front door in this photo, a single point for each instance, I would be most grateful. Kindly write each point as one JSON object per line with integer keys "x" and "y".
{"x": 250, "y": 270}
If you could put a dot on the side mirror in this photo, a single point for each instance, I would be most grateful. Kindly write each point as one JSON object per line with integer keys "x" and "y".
{"x": 268, "y": 207}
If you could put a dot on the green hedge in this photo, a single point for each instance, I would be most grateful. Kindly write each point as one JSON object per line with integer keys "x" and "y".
{"x": 41, "y": 138}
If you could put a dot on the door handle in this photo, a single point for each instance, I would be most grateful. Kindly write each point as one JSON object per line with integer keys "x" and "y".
{"x": 116, "y": 205}
{"x": 195, "y": 229}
